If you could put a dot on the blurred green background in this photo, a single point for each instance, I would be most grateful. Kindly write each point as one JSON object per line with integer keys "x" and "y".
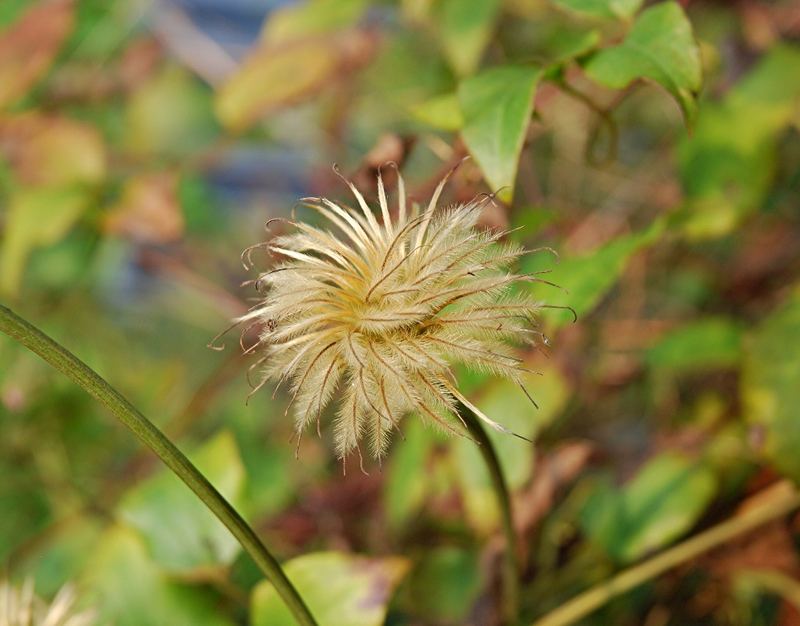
{"x": 144, "y": 144}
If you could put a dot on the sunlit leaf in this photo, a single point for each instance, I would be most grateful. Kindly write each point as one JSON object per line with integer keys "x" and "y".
{"x": 340, "y": 590}
{"x": 601, "y": 8}
{"x": 127, "y": 587}
{"x": 36, "y": 217}
{"x": 312, "y": 17}
{"x": 465, "y": 27}
{"x": 660, "y": 47}
{"x": 181, "y": 533}
{"x": 497, "y": 105}
{"x": 770, "y": 385}
{"x": 663, "y": 501}
{"x": 29, "y": 46}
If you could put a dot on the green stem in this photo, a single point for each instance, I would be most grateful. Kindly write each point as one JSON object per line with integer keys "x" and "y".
{"x": 775, "y": 502}
{"x": 510, "y": 562}
{"x": 80, "y": 373}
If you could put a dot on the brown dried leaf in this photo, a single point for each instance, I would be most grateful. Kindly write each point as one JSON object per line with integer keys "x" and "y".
{"x": 51, "y": 150}
{"x": 29, "y": 46}
{"x": 149, "y": 210}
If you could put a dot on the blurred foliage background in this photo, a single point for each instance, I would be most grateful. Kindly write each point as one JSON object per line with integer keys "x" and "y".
{"x": 145, "y": 143}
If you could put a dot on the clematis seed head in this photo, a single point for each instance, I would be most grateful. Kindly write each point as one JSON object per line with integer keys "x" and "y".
{"x": 19, "y": 606}
{"x": 378, "y": 310}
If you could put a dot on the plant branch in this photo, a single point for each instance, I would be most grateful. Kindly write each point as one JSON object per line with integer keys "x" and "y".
{"x": 774, "y": 502}
{"x": 510, "y": 561}
{"x": 91, "y": 382}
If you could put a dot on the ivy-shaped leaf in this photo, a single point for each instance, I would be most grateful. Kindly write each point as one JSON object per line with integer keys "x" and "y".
{"x": 497, "y": 106}
{"x": 465, "y": 27}
{"x": 660, "y": 47}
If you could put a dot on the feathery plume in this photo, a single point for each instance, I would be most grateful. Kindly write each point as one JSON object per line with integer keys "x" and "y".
{"x": 19, "y": 606}
{"x": 382, "y": 310}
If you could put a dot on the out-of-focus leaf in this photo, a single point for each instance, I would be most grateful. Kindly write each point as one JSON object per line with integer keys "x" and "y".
{"x": 587, "y": 278}
{"x": 727, "y": 174}
{"x": 659, "y": 47}
{"x": 662, "y": 502}
{"x": 751, "y": 582}
{"x": 276, "y": 76}
{"x": 624, "y": 9}
{"x": 465, "y": 27}
{"x": 149, "y": 209}
{"x": 169, "y": 114}
{"x": 770, "y": 383}
{"x": 706, "y": 343}
{"x": 440, "y": 112}
{"x": 568, "y": 44}
{"x": 497, "y": 106}
{"x": 29, "y": 46}
{"x": 312, "y": 17}
{"x": 405, "y": 492}
{"x": 52, "y": 150}
{"x": 445, "y": 584}
{"x": 182, "y": 534}
{"x": 128, "y": 588}
{"x": 36, "y": 217}
{"x": 507, "y": 403}
{"x": 340, "y": 589}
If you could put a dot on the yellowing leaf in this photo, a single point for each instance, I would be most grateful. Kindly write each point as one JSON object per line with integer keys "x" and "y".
{"x": 313, "y": 17}
{"x": 28, "y": 47}
{"x": 273, "y": 77}
{"x": 601, "y": 8}
{"x": 497, "y": 106}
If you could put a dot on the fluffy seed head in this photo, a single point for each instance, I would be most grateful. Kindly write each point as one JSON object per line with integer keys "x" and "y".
{"x": 19, "y": 606}
{"x": 381, "y": 310}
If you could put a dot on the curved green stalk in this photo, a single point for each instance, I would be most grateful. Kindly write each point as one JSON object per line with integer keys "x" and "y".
{"x": 775, "y": 502}
{"x": 510, "y": 561}
{"x": 80, "y": 373}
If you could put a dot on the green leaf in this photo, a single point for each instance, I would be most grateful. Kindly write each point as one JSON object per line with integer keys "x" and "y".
{"x": 588, "y": 277}
{"x": 127, "y": 588}
{"x": 465, "y": 27}
{"x": 440, "y": 112}
{"x": 445, "y": 584}
{"x": 340, "y": 589}
{"x": 182, "y": 534}
{"x": 313, "y": 17}
{"x": 706, "y": 343}
{"x": 601, "y": 8}
{"x": 726, "y": 175}
{"x": 36, "y": 217}
{"x": 405, "y": 492}
{"x": 507, "y": 403}
{"x": 663, "y": 501}
{"x": 770, "y": 384}
{"x": 659, "y": 47}
{"x": 497, "y": 106}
